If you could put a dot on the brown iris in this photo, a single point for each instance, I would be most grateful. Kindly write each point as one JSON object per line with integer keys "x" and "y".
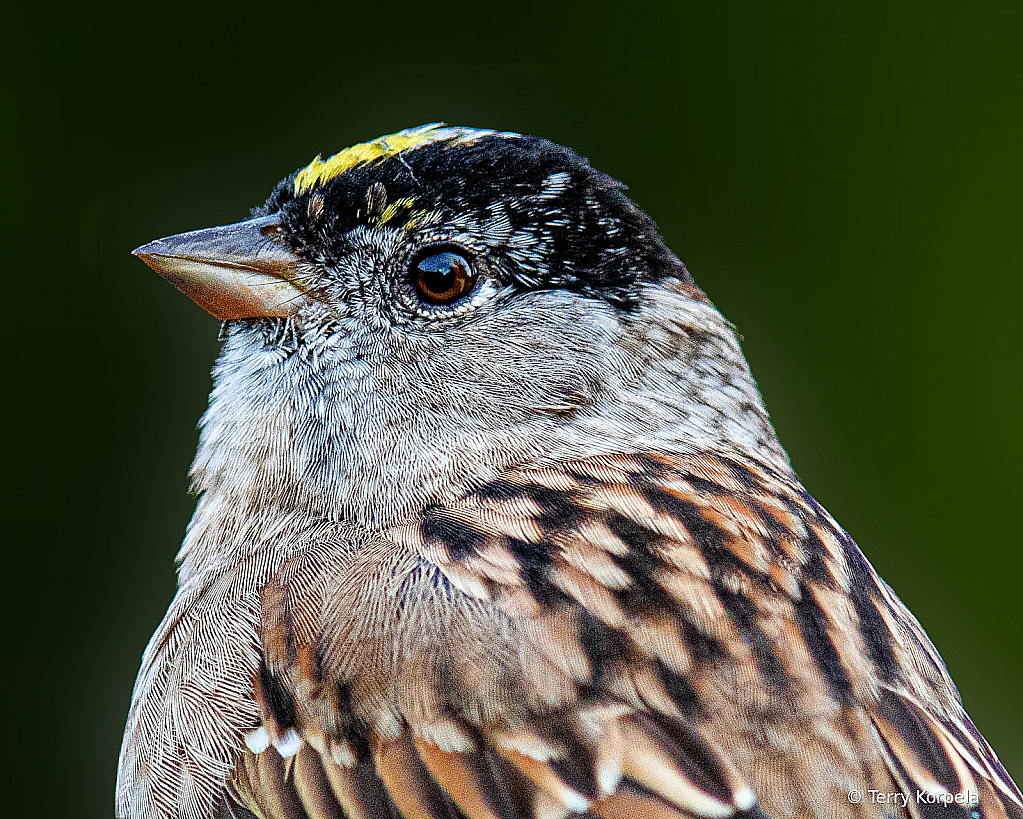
{"x": 441, "y": 276}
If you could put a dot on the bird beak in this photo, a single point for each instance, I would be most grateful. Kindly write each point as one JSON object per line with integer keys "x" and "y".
{"x": 235, "y": 271}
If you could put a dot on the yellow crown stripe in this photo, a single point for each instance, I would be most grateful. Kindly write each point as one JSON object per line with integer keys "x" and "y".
{"x": 320, "y": 171}
{"x": 393, "y": 210}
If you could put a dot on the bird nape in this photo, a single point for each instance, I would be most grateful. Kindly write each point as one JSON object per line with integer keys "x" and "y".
{"x": 492, "y": 523}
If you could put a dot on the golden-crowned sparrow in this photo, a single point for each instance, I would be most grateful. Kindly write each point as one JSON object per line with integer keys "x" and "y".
{"x": 492, "y": 523}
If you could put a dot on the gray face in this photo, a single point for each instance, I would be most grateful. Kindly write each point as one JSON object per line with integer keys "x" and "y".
{"x": 353, "y": 396}
{"x": 354, "y": 416}
{"x": 361, "y": 416}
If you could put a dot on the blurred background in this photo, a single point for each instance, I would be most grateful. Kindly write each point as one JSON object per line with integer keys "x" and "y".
{"x": 845, "y": 183}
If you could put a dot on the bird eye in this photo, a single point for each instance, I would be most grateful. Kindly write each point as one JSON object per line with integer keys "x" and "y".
{"x": 442, "y": 277}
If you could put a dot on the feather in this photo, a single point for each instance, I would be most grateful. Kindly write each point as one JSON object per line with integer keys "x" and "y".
{"x": 276, "y": 792}
{"x": 645, "y": 636}
{"x": 937, "y": 773}
{"x": 634, "y": 802}
{"x": 682, "y": 769}
{"x": 407, "y": 779}
{"x": 359, "y": 791}
{"x": 465, "y": 776}
{"x": 313, "y": 786}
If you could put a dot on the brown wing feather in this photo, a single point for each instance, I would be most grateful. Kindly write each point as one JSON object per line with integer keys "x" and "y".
{"x": 628, "y": 635}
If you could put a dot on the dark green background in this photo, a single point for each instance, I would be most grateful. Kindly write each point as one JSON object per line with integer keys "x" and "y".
{"x": 846, "y": 185}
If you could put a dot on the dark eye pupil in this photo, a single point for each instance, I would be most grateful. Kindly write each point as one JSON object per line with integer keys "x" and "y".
{"x": 441, "y": 271}
{"x": 442, "y": 278}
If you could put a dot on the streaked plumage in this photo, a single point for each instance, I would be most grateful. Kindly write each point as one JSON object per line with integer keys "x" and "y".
{"x": 534, "y": 553}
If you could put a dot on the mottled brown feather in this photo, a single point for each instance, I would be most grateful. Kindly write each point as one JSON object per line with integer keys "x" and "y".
{"x": 629, "y": 635}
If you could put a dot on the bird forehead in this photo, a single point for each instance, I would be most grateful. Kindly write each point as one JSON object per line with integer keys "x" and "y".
{"x": 320, "y": 171}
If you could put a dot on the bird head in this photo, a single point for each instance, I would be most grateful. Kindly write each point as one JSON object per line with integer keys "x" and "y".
{"x": 417, "y": 313}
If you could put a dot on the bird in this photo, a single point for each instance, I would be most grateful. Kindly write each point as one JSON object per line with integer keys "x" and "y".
{"x": 492, "y": 523}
